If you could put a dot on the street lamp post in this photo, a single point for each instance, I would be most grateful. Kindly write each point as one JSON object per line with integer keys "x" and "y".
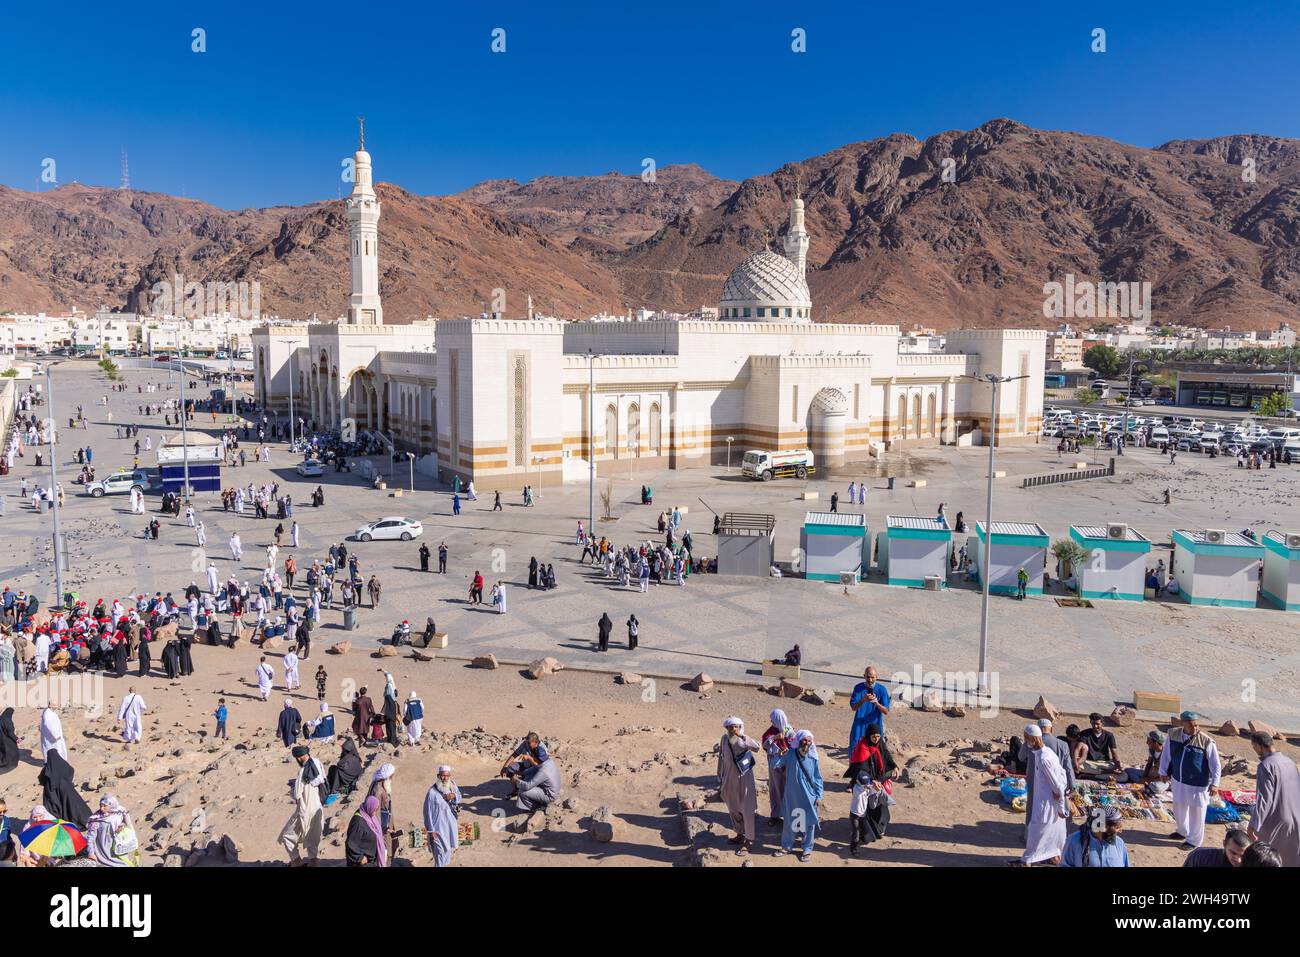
{"x": 54, "y": 490}
{"x": 730, "y": 439}
{"x": 994, "y": 381}
{"x": 185, "y": 438}
{"x": 591, "y": 441}
{"x": 293, "y": 382}
{"x": 410, "y": 458}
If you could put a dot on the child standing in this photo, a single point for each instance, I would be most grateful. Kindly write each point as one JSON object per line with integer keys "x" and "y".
{"x": 321, "y": 678}
{"x": 220, "y": 715}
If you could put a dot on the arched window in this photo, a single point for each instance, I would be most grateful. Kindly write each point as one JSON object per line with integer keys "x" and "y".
{"x": 611, "y": 431}
{"x": 933, "y": 416}
{"x": 656, "y": 427}
{"x": 916, "y": 415}
{"x": 900, "y": 428}
{"x": 634, "y": 429}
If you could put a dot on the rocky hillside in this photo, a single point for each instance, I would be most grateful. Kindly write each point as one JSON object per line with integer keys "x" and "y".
{"x": 892, "y": 241}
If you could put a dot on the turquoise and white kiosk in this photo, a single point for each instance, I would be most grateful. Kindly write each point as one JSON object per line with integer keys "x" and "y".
{"x": 1217, "y": 568}
{"x": 1117, "y": 561}
{"x": 1281, "y": 584}
{"x": 913, "y": 548}
{"x": 1015, "y": 545}
{"x": 834, "y": 543}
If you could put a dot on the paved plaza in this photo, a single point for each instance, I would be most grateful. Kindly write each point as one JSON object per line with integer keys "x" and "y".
{"x": 1236, "y": 664}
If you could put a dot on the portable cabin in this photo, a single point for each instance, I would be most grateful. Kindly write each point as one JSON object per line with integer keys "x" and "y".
{"x": 1281, "y": 584}
{"x": 201, "y": 456}
{"x": 833, "y": 544}
{"x": 913, "y": 548}
{"x": 1219, "y": 568}
{"x": 1012, "y": 546}
{"x": 1117, "y": 561}
{"x": 746, "y": 544}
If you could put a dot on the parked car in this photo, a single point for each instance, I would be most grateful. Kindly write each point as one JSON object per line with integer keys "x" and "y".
{"x": 310, "y": 468}
{"x": 119, "y": 483}
{"x": 390, "y": 529}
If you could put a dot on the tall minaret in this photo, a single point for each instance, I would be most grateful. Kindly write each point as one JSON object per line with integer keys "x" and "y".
{"x": 364, "y": 307}
{"x": 796, "y": 239}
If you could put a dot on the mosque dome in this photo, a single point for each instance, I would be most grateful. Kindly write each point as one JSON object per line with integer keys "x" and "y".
{"x": 830, "y": 401}
{"x": 766, "y": 286}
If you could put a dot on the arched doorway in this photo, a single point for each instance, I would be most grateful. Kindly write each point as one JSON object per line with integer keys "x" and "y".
{"x": 611, "y": 431}
{"x": 656, "y": 428}
{"x": 916, "y": 415}
{"x": 901, "y": 425}
{"x": 932, "y": 416}
{"x": 634, "y": 429}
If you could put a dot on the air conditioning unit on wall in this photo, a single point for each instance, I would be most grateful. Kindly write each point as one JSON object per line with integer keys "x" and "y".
{"x": 1117, "y": 531}
{"x": 1293, "y": 540}
{"x": 1215, "y": 536}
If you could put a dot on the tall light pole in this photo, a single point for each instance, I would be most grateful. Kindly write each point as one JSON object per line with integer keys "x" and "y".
{"x": 730, "y": 439}
{"x": 410, "y": 458}
{"x": 293, "y": 384}
{"x": 591, "y": 441}
{"x": 54, "y": 490}
{"x": 994, "y": 381}
{"x": 185, "y": 436}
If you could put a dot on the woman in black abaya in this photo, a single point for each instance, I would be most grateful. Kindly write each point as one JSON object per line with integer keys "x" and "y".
{"x": 60, "y": 795}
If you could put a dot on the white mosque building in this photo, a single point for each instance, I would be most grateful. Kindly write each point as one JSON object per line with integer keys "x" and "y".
{"x": 508, "y": 402}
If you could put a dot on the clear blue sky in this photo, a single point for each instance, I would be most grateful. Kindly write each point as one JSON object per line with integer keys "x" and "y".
{"x": 267, "y": 113}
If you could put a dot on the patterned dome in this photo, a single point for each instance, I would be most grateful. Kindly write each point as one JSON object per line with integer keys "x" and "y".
{"x": 766, "y": 280}
{"x": 830, "y": 401}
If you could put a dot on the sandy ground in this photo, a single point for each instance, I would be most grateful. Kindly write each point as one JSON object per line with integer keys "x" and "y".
{"x": 640, "y": 751}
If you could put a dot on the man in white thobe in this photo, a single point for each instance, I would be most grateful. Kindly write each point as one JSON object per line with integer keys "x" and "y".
{"x": 52, "y": 734}
{"x": 212, "y": 578}
{"x": 291, "y": 670}
{"x": 272, "y": 551}
{"x": 303, "y": 830}
{"x": 129, "y": 713}
{"x": 1190, "y": 761}
{"x": 236, "y": 548}
{"x": 1047, "y": 830}
{"x": 265, "y": 678}
{"x": 43, "y": 644}
{"x": 200, "y": 535}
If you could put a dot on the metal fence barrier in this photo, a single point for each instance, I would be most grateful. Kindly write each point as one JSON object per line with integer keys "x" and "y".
{"x": 1074, "y": 475}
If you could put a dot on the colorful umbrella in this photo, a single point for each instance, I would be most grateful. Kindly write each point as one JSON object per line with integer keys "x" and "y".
{"x": 53, "y": 839}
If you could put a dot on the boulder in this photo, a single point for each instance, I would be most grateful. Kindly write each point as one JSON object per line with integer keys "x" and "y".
{"x": 930, "y": 701}
{"x": 1123, "y": 717}
{"x": 792, "y": 689}
{"x": 602, "y": 825}
{"x": 1230, "y": 730}
{"x": 488, "y": 661}
{"x": 1045, "y": 709}
{"x": 542, "y": 667}
{"x": 701, "y": 682}
{"x": 956, "y": 711}
{"x": 386, "y": 651}
{"x": 340, "y": 648}
{"x": 272, "y": 643}
{"x": 1257, "y": 726}
{"x": 823, "y": 696}
{"x": 628, "y": 678}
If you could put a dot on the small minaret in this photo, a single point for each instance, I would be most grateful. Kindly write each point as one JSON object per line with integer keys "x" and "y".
{"x": 364, "y": 306}
{"x": 796, "y": 239}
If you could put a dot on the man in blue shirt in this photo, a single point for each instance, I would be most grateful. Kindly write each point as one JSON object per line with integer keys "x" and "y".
{"x": 870, "y": 701}
{"x": 1097, "y": 843}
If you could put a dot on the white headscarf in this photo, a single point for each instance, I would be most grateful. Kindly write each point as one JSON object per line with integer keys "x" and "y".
{"x": 1033, "y": 731}
{"x": 733, "y": 721}
{"x": 385, "y": 772}
{"x": 800, "y": 737}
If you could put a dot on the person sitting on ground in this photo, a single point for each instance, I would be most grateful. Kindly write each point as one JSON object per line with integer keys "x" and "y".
{"x": 1235, "y": 844}
{"x": 1262, "y": 854}
{"x": 1149, "y": 774}
{"x": 530, "y": 754}
{"x": 1097, "y": 842}
{"x": 1172, "y": 586}
{"x": 1101, "y": 753}
{"x": 538, "y": 786}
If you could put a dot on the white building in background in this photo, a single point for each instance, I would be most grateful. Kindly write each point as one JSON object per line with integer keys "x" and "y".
{"x": 512, "y": 401}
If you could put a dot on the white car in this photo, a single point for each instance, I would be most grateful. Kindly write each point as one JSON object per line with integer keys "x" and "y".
{"x": 310, "y": 469}
{"x": 390, "y": 529}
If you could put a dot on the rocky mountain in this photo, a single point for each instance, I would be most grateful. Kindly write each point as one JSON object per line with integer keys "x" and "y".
{"x": 443, "y": 256}
{"x": 603, "y": 213}
{"x": 892, "y": 239}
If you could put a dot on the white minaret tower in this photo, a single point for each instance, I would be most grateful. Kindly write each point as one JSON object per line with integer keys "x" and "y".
{"x": 364, "y": 307}
{"x": 796, "y": 239}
